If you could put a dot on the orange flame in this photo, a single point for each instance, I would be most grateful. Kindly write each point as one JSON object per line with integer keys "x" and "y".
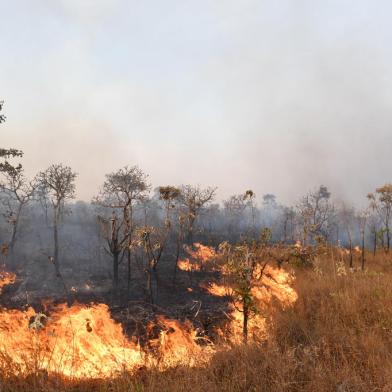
{"x": 200, "y": 256}
{"x": 6, "y": 278}
{"x": 84, "y": 341}
{"x": 79, "y": 341}
{"x": 275, "y": 283}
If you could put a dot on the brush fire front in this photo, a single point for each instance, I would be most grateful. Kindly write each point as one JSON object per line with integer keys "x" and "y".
{"x": 84, "y": 341}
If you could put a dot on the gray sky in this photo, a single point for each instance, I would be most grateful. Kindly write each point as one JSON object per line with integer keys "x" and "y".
{"x": 276, "y": 96}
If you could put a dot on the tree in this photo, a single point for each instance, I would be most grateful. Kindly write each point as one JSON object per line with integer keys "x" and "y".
{"x": 347, "y": 216}
{"x": 245, "y": 265}
{"x": 112, "y": 229}
{"x": 57, "y": 184}
{"x": 234, "y": 208}
{"x": 381, "y": 201}
{"x": 193, "y": 199}
{"x": 18, "y": 192}
{"x": 314, "y": 210}
{"x": 120, "y": 191}
{"x": 288, "y": 224}
{"x": 5, "y": 154}
{"x": 377, "y": 233}
{"x": 249, "y": 198}
{"x": 362, "y": 218}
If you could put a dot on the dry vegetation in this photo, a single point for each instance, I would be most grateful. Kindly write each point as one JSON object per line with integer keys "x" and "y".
{"x": 336, "y": 337}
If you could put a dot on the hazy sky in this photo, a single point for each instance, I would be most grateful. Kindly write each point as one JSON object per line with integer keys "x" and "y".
{"x": 278, "y": 96}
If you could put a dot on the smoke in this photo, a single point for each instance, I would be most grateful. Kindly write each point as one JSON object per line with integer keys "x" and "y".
{"x": 277, "y": 97}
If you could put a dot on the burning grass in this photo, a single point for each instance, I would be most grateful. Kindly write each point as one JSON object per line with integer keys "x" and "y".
{"x": 335, "y": 336}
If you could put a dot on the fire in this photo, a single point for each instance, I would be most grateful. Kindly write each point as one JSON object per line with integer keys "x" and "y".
{"x": 200, "y": 256}
{"x": 201, "y": 252}
{"x": 6, "y": 278}
{"x": 216, "y": 289}
{"x": 275, "y": 283}
{"x": 80, "y": 341}
{"x": 83, "y": 341}
{"x": 186, "y": 265}
{"x": 178, "y": 344}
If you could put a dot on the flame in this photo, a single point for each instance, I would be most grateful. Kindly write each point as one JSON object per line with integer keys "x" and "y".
{"x": 80, "y": 341}
{"x": 201, "y": 252}
{"x": 216, "y": 289}
{"x": 275, "y": 283}
{"x": 178, "y": 344}
{"x": 200, "y": 256}
{"x": 83, "y": 341}
{"x": 6, "y": 278}
{"x": 186, "y": 265}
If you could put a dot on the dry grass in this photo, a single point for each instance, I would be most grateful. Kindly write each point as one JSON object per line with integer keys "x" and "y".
{"x": 337, "y": 337}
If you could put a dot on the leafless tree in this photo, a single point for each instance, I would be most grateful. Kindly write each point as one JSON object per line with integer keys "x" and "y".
{"x": 57, "y": 184}
{"x": 120, "y": 192}
{"x": 234, "y": 208}
{"x": 288, "y": 224}
{"x": 5, "y": 154}
{"x": 314, "y": 210}
{"x": 381, "y": 201}
{"x": 249, "y": 198}
{"x": 193, "y": 199}
{"x": 362, "y": 218}
{"x": 347, "y": 216}
{"x": 17, "y": 192}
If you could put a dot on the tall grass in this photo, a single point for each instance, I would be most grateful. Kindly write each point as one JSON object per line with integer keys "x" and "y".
{"x": 337, "y": 337}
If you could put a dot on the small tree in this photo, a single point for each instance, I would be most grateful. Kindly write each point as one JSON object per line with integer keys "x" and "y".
{"x": 121, "y": 190}
{"x": 5, "y": 154}
{"x": 234, "y": 208}
{"x": 249, "y": 198}
{"x": 347, "y": 216}
{"x": 362, "y": 218}
{"x": 314, "y": 211}
{"x": 57, "y": 184}
{"x": 153, "y": 240}
{"x": 193, "y": 199}
{"x": 245, "y": 265}
{"x": 18, "y": 192}
{"x": 112, "y": 229}
{"x": 381, "y": 201}
{"x": 288, "y": 215}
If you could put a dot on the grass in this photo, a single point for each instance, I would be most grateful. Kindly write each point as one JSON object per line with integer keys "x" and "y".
{"x": 337, "y": 337}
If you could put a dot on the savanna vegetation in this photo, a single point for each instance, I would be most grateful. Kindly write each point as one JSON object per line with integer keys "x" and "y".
{"x": 194, "y": 294}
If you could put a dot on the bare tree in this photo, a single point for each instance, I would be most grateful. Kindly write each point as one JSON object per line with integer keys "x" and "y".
{"x": 347, "y": 216}
{"x": 288, "y": 224}
{"x": 249, "y": 198}
{"x": 18, "y": 192}
{"x": 381, "y": 201}
{"x": 5, "y": 154}
{"x": 121, "y": 190}
{"x": 362, "y": 218}
{"x": 234, "y": 208}
{"x": 57, "y": 184}
{"x": 374, "y": 226}
{"x": 193, "y": 199}
{"x": 314, "y": 210}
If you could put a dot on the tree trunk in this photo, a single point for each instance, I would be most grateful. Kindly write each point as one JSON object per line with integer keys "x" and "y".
{"x": 179, "y": 237}
{"x": 15, "y": 228}
{"x": 245, "y": 322}
{"x": 115, "y": 271}
{"x": 375, "y": 243}
{"x": 149, "y": 285}
{"x": 363, "y": 251}
{"x": 56, "y": 260}
{"x": 129, "y": 273}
